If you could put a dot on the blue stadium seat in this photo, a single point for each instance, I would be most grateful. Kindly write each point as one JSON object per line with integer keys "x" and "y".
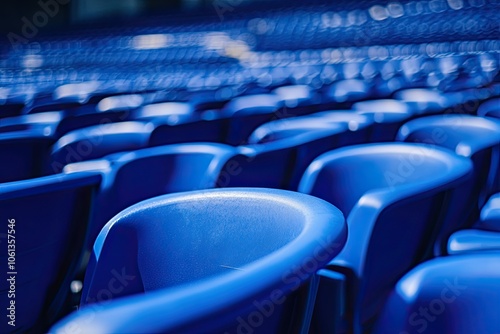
{"x": 50, "y": 216}
{"x": 392, "y": 195}
{"x": 248, "y": 112}
{"x": 177, "y": 122}
{"x": 360, "y": 126}
{"x": 454, "y": 294}
{"x": 24, "y": 153}
{"x": 425, "y": 100}
{"x": 327, "y": 130}
{"x": 298, "y": 99}
{"x": 470, "y": 136}
{"x": 185, "y": 270}
{"x": 48, "y": 121}
{"x": 344, "y": 93}
{"x": 283, "y": 154}
{"x": 135, "y": 176}
{"x": 12, "y": 102}
{"x": 97, "y": 141}
{"x": 388, "y": 116}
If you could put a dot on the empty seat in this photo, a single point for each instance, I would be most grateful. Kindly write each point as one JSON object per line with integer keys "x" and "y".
{"x": 393, "y": 198}
{"x": 425, "y": 100}
{"x": 327, "y": 130}
{"x": 208, "y": 261}
{"x": 48, "y": 121}
{"x": 470, "y": 136}
{"x": 135, "y": 176}
{"x": 45, "y": 224}
{"x": 454, "y": 294}
{"x": 343, "y": 93}
{"x": 298, "y": 99}
{"x": 248, "y": 112}
{"x": 388, "y": 116}
{"x": 282, "y": 156}
{"x": 360, "y": 126}
{"x": 97, "y": 141}
{"x": 176, "y": 122}
{"x": 24, "y": 153}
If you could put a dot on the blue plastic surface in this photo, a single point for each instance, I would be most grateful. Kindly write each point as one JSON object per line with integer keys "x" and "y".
{"x": 248, "y": 112}
{"x": 207, "y": 261}
{"x": 51, "y": 216}
{"x": 280, "y": 162}
{"x": 392, "y": 195}
{"x": 24, "y": 153}
{"x": 131, "y": 177}
{"x": 97, "y": 141}
{"x": 471, "y": 240}
{"x": 454, "y": 294}
{"x": 388, "y": 116}
{"x": 470, "y": 136}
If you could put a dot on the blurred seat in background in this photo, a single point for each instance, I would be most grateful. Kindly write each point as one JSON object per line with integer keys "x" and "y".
{"x": 97, "y": 141}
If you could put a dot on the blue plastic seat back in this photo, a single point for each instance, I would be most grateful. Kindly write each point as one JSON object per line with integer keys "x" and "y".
{"x": 47, "y": 121}
{"x": 205, "y": 259}
{"x": 24, "y": 153}
{"x": 129, "y": 178}
{"x": 393, "y": 196}
{"x": 469, "y": 136}
{"x": 266, "y": 165}
{"x": 453, "y": 294}
{"x": 74, "y": 121}
{"x": 280, "y": 162}
{"x": 177, "y": 122}
{"x": 192, "y": 130}
{"x": 426, "y": 101}
{"x": 359, "y": 126}
{"x": 97, "y": 141}
{"x": 51, "y": 217}
{"x": 388, "y": 116}
{"x": 249, "y": 112}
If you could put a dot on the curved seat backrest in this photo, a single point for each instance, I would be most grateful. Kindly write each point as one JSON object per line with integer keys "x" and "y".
{"x": 280, "y": 163}
{"x": 48, "y": 219}
{"x": 129, "y": 178}
{"x": 453, "y": 294}
{"x": 97, "y": 141}
{"x": 24, "y": 153}
{"x": 204, "y": 257}
{"x": 47, "y": 121}
{"x": 247, "y": 113}
{"x": 470, "y": 136}
{"x": 393, "y": 196}
{"x": 388, "y": 116}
